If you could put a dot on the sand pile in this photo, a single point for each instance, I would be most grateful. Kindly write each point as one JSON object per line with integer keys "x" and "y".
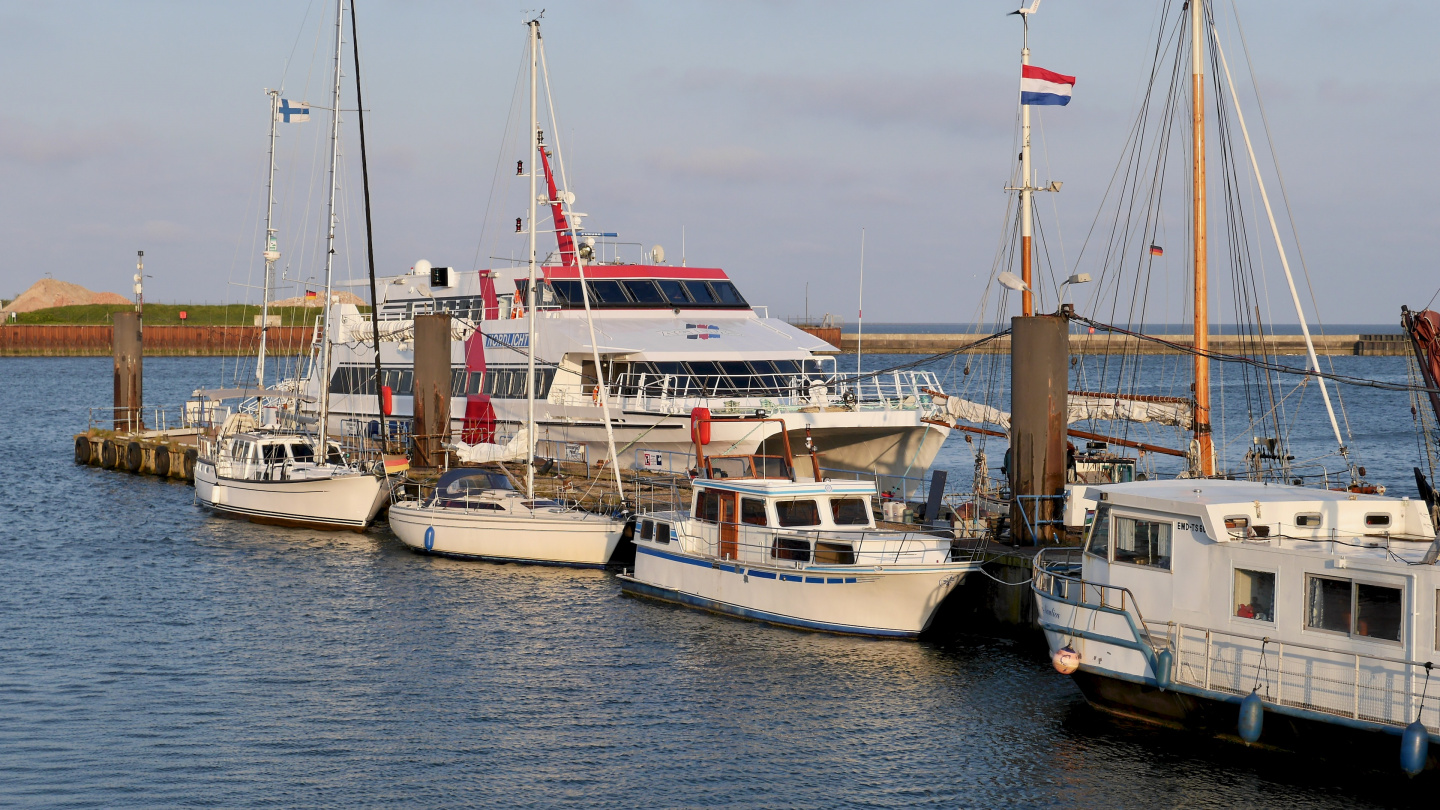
{"x": 49, "y": 292}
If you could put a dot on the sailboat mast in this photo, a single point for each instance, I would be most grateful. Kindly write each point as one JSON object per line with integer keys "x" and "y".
{"x": 369, "y": 229}
{"x": 1203, "y": 437}
{"x": 322, "y": 451}
{"x": 530, "y": 287}
{"x": 1027, "y": 299}
{"x": 272, "y": 251}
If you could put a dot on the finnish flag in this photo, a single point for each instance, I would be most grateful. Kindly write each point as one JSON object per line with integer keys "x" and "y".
{"x": 289, "y": 114}
{"x": 1041, "y": 86}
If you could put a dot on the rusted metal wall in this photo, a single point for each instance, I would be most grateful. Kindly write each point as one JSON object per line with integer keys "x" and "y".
{"x": 129, "y": 371}
{"x": 68, "y": 340}
{"x": 1039, "y": 381}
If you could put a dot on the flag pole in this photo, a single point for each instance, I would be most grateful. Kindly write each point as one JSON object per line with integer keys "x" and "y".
{"x": 1027, "y": 297}
{"x": 1203, "y": 438}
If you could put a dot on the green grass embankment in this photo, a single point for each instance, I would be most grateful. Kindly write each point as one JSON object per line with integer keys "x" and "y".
{"x": 169, "y": 314}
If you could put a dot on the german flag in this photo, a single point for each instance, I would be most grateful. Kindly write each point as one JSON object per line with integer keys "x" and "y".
{"x": 394, "y": 465}
{"x": 1156, "y": 250}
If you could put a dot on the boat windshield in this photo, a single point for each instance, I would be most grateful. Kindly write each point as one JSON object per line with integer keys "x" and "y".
{"x": 462, "y": 483}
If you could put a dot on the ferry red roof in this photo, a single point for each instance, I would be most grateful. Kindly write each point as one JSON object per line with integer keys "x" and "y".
{"x": 553, "y": 272}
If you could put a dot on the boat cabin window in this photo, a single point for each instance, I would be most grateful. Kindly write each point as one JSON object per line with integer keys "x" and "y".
{"x": 790, "y": 548}
{"x": 1308, "y": 520}
{"x": 662, "y": 533}
{"x": 707, "y": 506}
{"x": 1142, "y": 542}
{"x": 647, "y": 530}
{"x": 462, "y": 483}
{"x": 1354, "y": 608}
{"x": 1377, "y": 521}
{"x": 644, "y": 291}
{"x": 274, "y": 453}
{"x": 834, "y": 553}
{"x": 541, "y": 504}
{"x": 850, "y": 511}
{"x": 797, "y": 513}
{"x": 700, "y": 292}
{"x": 302, "y": 452}
{"x": 1100, "y": 533}
{"x": 730, "y": 467}
{"x": 1238, "y": 526}
{"x": 752, "y": 511}
{"x": 1255, "y": 595}
{"x": 674, "y": 291}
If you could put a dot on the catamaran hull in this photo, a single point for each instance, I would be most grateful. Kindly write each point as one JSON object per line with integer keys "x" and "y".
{"x": 347, "y": 502}
{"x": 892, "y": 602}
{"x": 575, "y": 539}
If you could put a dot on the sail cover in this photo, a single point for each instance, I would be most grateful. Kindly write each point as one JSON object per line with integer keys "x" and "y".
{"x": 1082, "y": 407}
{"x": 513, "y": 450}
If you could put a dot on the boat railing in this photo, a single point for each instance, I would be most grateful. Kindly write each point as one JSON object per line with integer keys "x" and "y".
{"x": 1056, "y": 572}
{"x": 732, "y": 393}
{"x": 152, "y": 418}
{"x": 801, "y": 548}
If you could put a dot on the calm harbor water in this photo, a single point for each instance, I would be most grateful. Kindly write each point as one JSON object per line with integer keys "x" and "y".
{"x": 152, "y": 654}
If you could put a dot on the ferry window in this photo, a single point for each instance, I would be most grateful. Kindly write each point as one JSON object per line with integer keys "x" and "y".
{"x": 644, "y": 291}
{"x": 787, "y": 366}
{"x": 1378, "y": 611}
{"x": 608, "y": 292}
{"x": 790, "y": 548}
{"x": 1374, "y": 521}
{"x": 752, "y": 511}
{"x": 457, "y": 382}
{"x": 707, "y": 506}
{"x": 797, "y": 513}
{"x": 1237, "y": 526}
{"x": 1255, "y": 595}
{"x": 1356, "y": 608}
{"x": 662, "y": 533}
{"x": 1308, "y": 520}
{"x": 700, "y": 292}
{"x": 727, "y": 293}
{"x": 834, "y": 553}
{"x": 737, "y": 368}
{"x": 674, "y": 291}
{"x": 850, "y": 511}
{"x": 1142, "y": 542}
{"x": 647, "y": 530}
{"x": 569, "y": 292}
{"x": 476, "y": 380}
{"x": 1100, "y": 532}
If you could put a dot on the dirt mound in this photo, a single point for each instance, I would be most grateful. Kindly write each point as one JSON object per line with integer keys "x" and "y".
{"x": 302, "y": 301}
{"x": 49, "y": 292}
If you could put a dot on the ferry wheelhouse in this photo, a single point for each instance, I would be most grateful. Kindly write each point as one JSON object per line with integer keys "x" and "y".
{"x": 1266, "y": 609}
{"x": 760, "y": 542}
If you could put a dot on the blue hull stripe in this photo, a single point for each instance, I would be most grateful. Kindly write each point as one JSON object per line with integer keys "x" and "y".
{"x": 738, "y": 569}
{"x": 633, "y": 586}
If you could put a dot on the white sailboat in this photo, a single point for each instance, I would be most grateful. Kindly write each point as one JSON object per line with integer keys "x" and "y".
{"x": 281, "y": 475}
{"x": 479, "y": 515}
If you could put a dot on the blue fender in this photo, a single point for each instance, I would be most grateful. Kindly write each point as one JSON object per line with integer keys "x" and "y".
{"x": 1252, "y": 717}
{"x": 1414, "y": 748}
{"x": 1164, "y": 664}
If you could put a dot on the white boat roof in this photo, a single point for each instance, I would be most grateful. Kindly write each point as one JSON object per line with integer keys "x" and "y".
{"x": 1213, "y": 492}
{"x": 779, "y": 487}
{"x": 713, "y": 336}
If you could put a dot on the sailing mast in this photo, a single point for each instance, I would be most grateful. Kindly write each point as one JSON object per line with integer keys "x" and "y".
{"x": 530, "y": 287}
{"x": 272, "y": 250}
{"x": 322, "y": 451}
{"x": 369, "y": 230}
{"x": 1203, "y": 438}
{"x": 1027, "y": 299}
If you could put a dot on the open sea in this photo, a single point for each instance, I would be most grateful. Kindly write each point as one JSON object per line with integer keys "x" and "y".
{"x": 154, "y": 655}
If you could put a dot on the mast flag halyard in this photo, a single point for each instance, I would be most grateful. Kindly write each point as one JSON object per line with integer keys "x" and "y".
{"x": 1038, "y": 87}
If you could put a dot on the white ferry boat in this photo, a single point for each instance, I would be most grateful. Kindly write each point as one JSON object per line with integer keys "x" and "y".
{"x": 1270, "y": 610}
{"x": 761, "y": 543}
{"x": 672, "y": 339}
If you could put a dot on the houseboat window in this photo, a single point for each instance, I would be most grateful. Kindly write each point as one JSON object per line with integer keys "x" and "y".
{"x": 1255, "y": 595}
{"x": 1355, "y": 608}
{"x": 797, "y": 513}
{"x": 647, "y": 530}
{"x": 850, "y": 512}
{"x": 707, "y": 506}
{"x": 644, "y": 291}
{"x": 1308, "y": 520}
{"x": 674, "y": 291}
{"x": 790, "y": 548}
{"x": 1374, "y": 521}
{"x": 662, "y": 533}
{"x": 752, "y": 511}
{"x": 699, "y": 292}
{"x": 834, "y": 553}
{"x": 1142, "y": 542}
{"x": 1238, "y": 526}
{"x": 1100, "y": 532}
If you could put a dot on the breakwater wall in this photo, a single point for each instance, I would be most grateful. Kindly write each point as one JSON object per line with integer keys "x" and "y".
{"x": 1366, "y": 345}
{"x": 52, "y": 340}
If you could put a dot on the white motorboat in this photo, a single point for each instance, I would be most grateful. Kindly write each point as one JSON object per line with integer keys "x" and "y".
{"x": 759, "y": 543}
{"x": 1270, "y": 610}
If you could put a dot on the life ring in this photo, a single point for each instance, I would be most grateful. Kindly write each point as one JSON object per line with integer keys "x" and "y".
{"x": 517, "y": 311}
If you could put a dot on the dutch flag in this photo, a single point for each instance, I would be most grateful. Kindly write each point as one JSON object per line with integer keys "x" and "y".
{"x": 1041, "y": 86}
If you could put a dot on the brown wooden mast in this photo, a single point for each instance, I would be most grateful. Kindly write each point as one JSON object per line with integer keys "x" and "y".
{"x": 1203, "y": 436}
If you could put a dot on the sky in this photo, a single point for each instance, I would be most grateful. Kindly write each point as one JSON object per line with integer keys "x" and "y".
{"x": 767, "y": 133}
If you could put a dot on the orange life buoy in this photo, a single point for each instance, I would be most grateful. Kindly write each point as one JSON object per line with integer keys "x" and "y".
{"x": 595, "y": 395}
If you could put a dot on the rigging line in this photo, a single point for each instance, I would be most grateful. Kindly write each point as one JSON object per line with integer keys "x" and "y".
{"x": 499, "y": 161}
{"x": 285, "y": 71}
{"x": 1348, "y": 379}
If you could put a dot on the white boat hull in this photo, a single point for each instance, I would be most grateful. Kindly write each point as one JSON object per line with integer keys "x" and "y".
{"x": 563, "y": 538}
{"x": 889, "y": 601}
{"x": 344, "y": 502}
